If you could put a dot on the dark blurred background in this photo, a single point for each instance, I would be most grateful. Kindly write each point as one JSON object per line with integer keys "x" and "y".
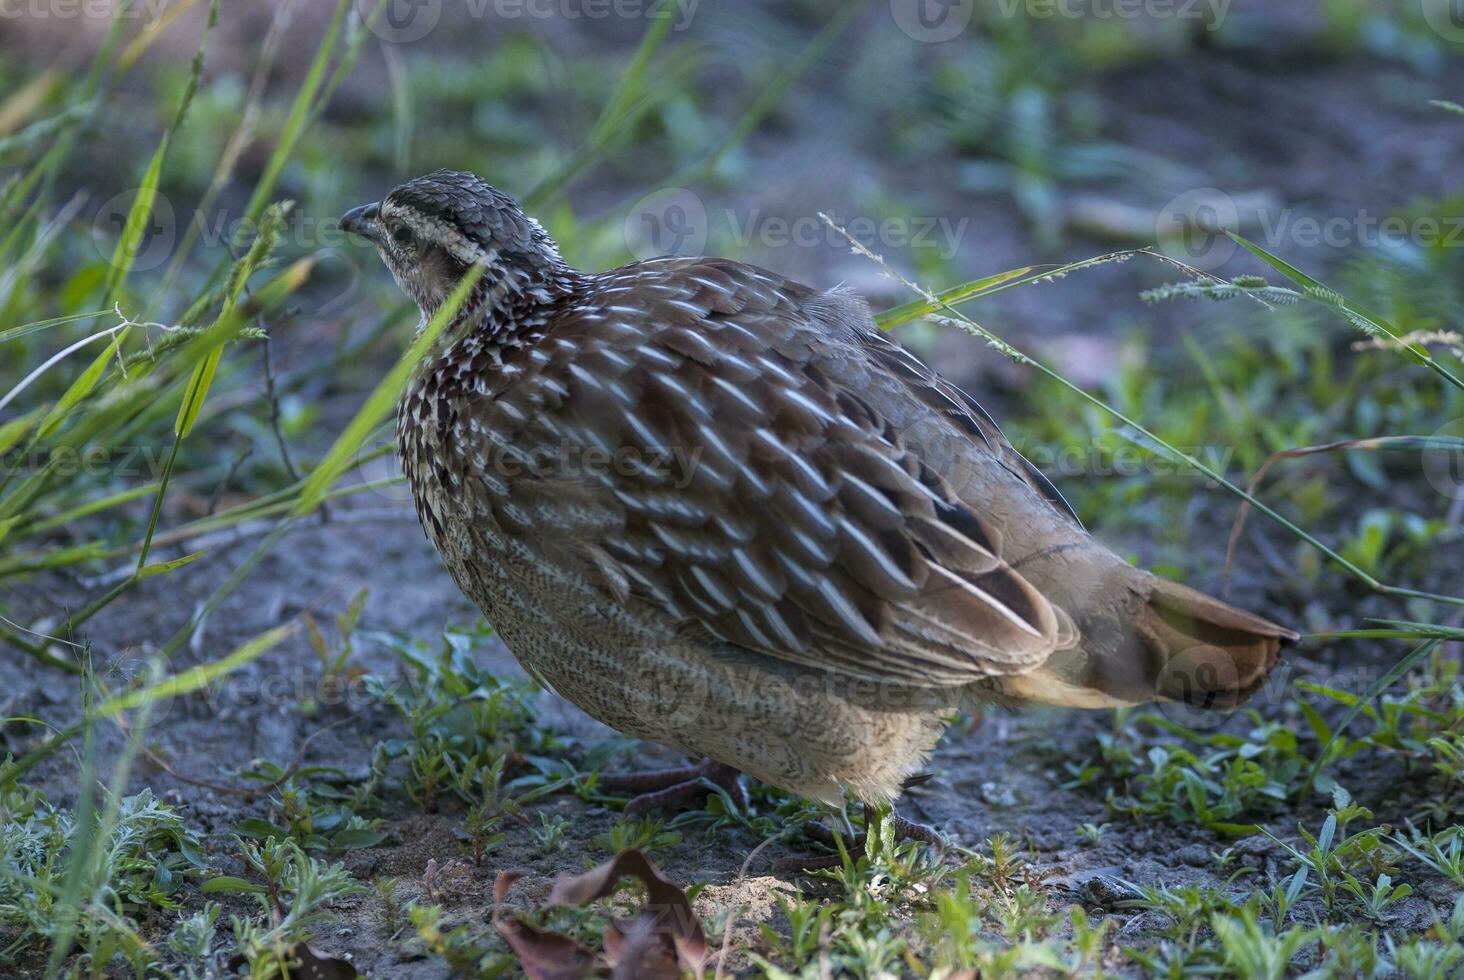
{"x": 963, "y": 138}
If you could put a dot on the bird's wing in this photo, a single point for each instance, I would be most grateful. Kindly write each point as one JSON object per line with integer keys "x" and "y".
{"x": 960, "y": 410}
{"x": 742, "y": 484}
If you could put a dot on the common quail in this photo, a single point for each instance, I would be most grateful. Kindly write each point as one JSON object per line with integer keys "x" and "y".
{"x": 719, "y": 509}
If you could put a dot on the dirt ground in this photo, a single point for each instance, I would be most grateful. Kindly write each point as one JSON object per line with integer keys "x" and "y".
{"x": 1000, "y": 773}
{"x": 1326, "y": 138}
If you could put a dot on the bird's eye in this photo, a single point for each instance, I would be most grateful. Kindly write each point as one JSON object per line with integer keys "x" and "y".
{"x": 402, "y": 235}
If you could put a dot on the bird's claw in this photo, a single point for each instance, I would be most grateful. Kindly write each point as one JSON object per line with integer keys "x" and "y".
{"x": 682, "y": 788}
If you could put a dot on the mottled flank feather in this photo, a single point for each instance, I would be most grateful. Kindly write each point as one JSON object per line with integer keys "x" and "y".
{"x": 773, "y": 508}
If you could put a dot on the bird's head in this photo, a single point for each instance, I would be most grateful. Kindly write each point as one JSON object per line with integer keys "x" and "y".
{"x": 430, "y": 231}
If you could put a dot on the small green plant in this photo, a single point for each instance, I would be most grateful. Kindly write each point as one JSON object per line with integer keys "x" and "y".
{"x": 1210, "y": 778}
{"x": 1022, "y": 914}
{"x": 1251, "y": 949}
{"x": 809, "y": 923}
{"x": 1358, "y": 865}
{"x": 1186, "y": 907}
{"x": 464, "y": 724}
{"x": 295, "y": 892}
{"x": 392, "y": 906}
{"x": 550, "y": 832}
{"x": 192, "y": 942}
{"x": 130, "y": 869}
{"x": 464, "y": 948}
{"x": 1003, "y": 863}
{"x": 1443, "y": 852}
{"x": 642, "y": 834}
{"x": 304, "y": 810}
{"x": 336, "y": 672}
{"x": 1373, "y": 900}
{"x": 1437, "y": 953}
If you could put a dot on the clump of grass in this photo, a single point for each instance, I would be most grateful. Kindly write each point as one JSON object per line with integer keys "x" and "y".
{"x": 306, "y": 809}
{"x": 466, "y": 727}
{"x": 1211, "y": 778}
{"x": 143, "y": 859}
{"x": 294, "y": 892}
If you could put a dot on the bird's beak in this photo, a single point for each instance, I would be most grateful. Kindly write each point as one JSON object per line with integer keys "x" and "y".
{"x": 362, "y": 221}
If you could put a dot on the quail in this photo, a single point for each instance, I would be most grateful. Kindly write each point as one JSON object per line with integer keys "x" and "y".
{"x": 719, "y": 509}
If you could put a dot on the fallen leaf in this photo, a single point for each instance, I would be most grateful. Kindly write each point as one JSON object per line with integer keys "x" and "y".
{"x": 307, "y": 964}
{"x": 667, "y": 910}
{"x": 664, "y": 940}
{"x": 547, "y": 955}
{"x": 542, "y": 955}
{"x": 637, "y": 950}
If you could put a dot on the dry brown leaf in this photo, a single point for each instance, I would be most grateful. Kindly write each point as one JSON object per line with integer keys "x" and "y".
{"x": 664, "y": 940}
{"x": 542, "y": 955}
{"x": 547, "y": 955}
{"x": 307, "y": 964}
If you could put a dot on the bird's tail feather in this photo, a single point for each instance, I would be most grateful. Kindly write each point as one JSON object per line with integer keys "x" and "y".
{"x": 1178, "y": 645}
{"x": 1206, "y": 652}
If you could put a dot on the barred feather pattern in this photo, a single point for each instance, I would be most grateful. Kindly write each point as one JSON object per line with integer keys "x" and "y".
{"x": 680, "y": 428}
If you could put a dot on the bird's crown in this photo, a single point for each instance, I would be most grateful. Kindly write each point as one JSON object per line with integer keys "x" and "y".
{"x": 432, "y": 229}
{"x": 463, "y": 214}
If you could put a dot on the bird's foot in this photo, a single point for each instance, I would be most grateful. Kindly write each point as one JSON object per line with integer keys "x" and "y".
{"x": 902, "y": 829}
{"x": 676, "y": 789}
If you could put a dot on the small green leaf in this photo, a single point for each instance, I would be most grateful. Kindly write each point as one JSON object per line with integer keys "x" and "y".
{"x": 163, "y": 567}
{"x": 257, "y": 827}
{"x": 229, "y": 885}
{"x": 197, "y": 391}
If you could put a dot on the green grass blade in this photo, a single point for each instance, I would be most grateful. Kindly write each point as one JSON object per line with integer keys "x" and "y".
{"x": 196, "y": 678}
{"x": 381, "y": 401}
{"x": 772, "y": 95}
{"x": 298, "y": 119}
{"x": 208, "y": 347}
{"x": 614, "y": 118}
{"x": 915, "y": 309}
{"x": 196, "y": 392}
{"x": 1365, "y": 320}
{"x": 1155, "y": 442}
{"x": 1387, "y": 680}
{"x": 26, "y": 329}
{"x": 134, "y": 229}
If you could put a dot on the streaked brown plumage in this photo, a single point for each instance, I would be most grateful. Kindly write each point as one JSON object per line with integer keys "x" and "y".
{"x": 719, "y": 509}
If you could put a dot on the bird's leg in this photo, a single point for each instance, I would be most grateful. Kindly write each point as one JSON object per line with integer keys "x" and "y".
{"x": 675, "y": 789}
{"x": 904, "y": 830}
